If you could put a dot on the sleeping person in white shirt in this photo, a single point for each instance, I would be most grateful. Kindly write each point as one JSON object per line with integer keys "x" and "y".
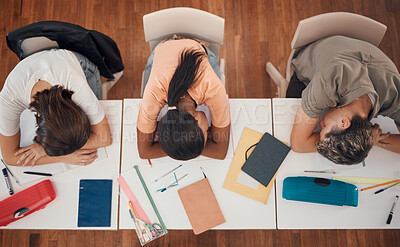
{"x": 71, "y": 123}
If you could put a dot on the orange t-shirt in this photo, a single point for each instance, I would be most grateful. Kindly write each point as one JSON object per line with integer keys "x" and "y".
{"x": 208, "y": 90}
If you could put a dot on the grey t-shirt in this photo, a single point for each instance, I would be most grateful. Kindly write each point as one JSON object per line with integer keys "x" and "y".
{"x": 338, "y": 69}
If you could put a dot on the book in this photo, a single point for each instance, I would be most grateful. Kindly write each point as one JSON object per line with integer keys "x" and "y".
{"x": 94, "y": 208}
{"x": 266, "y": 158}
{"x": 238, "y": 181}
{"x": 201, "y": 206}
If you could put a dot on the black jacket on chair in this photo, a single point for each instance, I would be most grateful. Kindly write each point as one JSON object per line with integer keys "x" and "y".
{"x": 97, "y": 47}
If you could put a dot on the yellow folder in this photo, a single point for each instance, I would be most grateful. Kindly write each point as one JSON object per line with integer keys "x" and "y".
{"x": 249, "y": 137}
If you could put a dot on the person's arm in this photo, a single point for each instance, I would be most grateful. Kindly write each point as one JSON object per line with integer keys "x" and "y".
{"x": 387, "y": 141}
{"x": 35, "y": 155}
{"x": 149, "y": 109}
{"x": 217, "y": 143}
{"x": 302, "y": 138}
{"x": 394, "y": 143}
{"x": 100, "y": 136}
{"x": 147, "y": 147}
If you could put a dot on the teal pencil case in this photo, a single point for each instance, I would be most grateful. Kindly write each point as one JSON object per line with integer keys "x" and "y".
{"x": 320, "y": 190}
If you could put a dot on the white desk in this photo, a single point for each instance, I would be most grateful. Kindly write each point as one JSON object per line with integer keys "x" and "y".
{"x": 62, "y": 213}
{"x": 372, "y": 210}
{"x": 240, "y": 212}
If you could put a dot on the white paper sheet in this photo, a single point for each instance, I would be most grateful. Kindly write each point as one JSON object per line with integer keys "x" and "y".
{"x": 245, "y": 179}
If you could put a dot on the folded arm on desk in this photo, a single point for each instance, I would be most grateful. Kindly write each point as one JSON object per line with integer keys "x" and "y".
{"x": 303, "y": 139}
{"x": 147, "y": 147}
{"x": 387, "y": 141}
{"x": 217, "y": 143}
{"x": 216, "y": 146}
{"x": 35, "y": 154}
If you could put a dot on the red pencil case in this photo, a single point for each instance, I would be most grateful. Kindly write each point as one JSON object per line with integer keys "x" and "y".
{"x": 26, "y": 202}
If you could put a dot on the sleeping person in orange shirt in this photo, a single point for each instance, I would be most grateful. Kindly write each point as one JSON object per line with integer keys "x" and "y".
{"x": 182, "y": 74}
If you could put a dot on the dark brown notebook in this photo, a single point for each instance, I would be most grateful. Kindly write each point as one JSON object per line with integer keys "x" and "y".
{"x": 201, "y": 206}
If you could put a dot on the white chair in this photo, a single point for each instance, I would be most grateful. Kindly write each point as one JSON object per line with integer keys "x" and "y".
{"x": 322, "y": 26}
{"x": 187, "y": 22}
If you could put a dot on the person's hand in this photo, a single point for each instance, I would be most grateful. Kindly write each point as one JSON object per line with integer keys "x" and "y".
{"x": 378, "y": 137}
{"x": 30, "y": 153}
{"x": 81, "y": 157}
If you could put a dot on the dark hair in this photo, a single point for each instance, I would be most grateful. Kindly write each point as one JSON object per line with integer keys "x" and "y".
{"x": 178, "y": 132}
{"x": 350, "y": 146}
{"x": 62, "y": 126}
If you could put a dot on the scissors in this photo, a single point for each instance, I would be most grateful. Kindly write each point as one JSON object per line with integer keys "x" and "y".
{"x": 153, "y": 230}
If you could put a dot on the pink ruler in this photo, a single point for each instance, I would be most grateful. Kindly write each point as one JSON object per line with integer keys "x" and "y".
{"x": 133, "y": 199}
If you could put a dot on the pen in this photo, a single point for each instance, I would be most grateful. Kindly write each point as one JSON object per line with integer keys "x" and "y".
{"x": 167, "y": 173}
{"x": 38, "y": 173}
{"x": 137, "y": 226}
{"x": 178, "y": 180}
{"x": 12, "y": 175}
{"x": 130, "y": 204}
{"x": 389, "y": 219}
{"x": 371, "y": 187}
{"x": 10, "y": 190}
{"x": 173, "y": 184}
{"x": 381, "y": 190}
{"x": 322, "y": 172}
{"x": 136, "y": 216}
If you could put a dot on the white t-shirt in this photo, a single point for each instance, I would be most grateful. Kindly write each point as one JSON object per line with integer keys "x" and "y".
{"x": 57, "y": 67}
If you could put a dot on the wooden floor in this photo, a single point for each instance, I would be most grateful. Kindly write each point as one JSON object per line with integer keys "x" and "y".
{"x": 256, "y": 31}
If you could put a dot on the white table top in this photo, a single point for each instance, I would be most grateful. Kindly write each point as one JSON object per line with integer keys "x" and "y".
{"x": 372, "y": 210}
{"x": 62, "y": 213}
{"x": 240, "y": 212}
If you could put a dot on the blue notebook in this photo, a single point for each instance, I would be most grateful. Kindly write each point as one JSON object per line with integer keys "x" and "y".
{"x": 95, "y": 203}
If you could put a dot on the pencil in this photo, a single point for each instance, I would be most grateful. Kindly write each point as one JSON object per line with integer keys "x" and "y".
{"x": 151, "y": 165}
{"x": 322, "y": 172}
{"x": 155, "y": 180}
{"x": 136, "y": 216}
{"x": 390, "y": 186}
{"x": 137, "y": 225}
{"x": 173, "y": 184}
{"x": 378, "y": 185}
{"x": 133, "y": 209}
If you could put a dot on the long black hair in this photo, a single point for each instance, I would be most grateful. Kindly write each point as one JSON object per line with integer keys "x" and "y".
{"x": 179, "y": 134}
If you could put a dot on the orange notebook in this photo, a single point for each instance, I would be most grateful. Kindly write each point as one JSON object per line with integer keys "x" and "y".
{"x": 201, "y": 206}
{"x": 260, "y": 193}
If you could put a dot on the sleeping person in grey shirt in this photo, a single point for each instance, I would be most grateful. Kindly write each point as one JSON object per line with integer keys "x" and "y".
{"x": 356, "y": 82}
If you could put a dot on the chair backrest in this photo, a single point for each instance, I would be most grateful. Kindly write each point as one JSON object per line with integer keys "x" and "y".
{"x": 188, "y": 22}
{"x": 338, "y": 23}
{"x": 35, "y": 44}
